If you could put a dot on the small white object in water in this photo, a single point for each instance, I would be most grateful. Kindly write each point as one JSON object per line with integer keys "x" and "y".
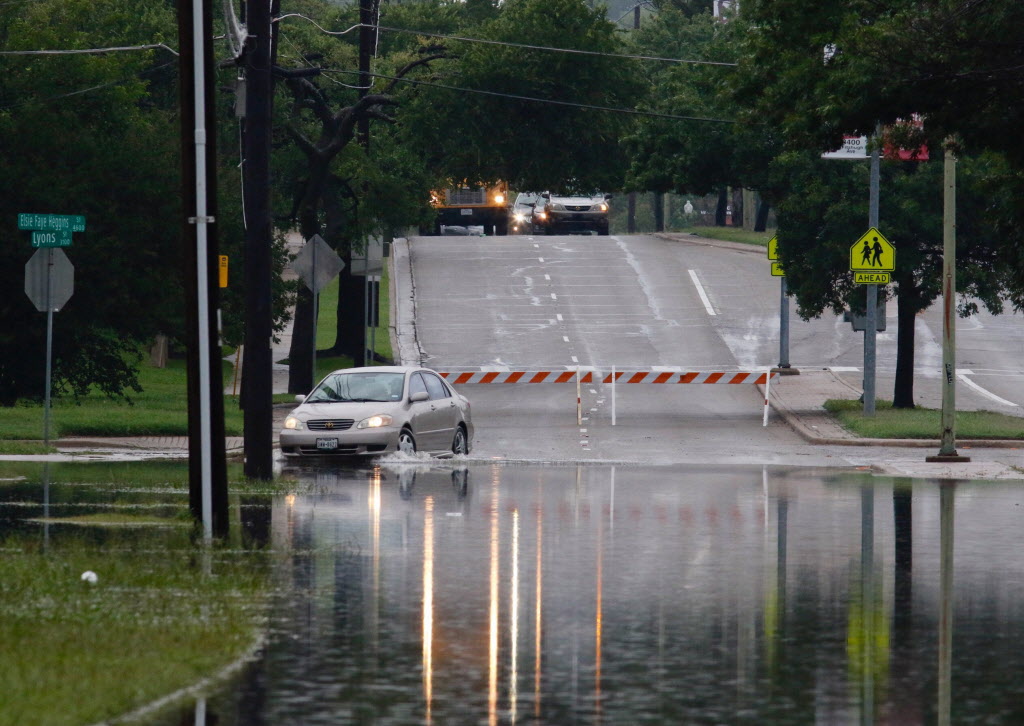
{"x": 90, "y": 577}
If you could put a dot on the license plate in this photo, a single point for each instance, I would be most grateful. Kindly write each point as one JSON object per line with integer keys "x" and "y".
{"x": 327, "y": 443}
{"x": 466, "y": 212}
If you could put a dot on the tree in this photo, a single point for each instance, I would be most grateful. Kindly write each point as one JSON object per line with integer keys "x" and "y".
{"x": 819, "y": 71}
{"x": 709, "y": 148}
{"x": 478, "y": 127}
{"x": 91, "y": 135}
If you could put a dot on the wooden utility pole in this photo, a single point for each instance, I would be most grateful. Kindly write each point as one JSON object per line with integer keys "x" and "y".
{"x": 257, "y": 387}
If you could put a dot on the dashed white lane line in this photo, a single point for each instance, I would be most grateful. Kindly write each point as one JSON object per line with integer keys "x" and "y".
{"x": 547, "y": 277}
{"x": 575, "y": 359}
{"x": 554, "y": 296}
{"x": 700, "y": 291}
{"x": 565, "y": 338}
{"x": 558, "y": 317}
{"x": 541, "y": 259}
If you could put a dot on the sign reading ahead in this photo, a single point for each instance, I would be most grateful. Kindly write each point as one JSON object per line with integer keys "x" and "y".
{"x": 872, "y": 253}
{"x": 871, "y": 278}
{"x": 773, "y": 254}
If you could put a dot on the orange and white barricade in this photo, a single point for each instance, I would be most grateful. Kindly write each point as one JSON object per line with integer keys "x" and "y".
{"x": 629, "y": 376}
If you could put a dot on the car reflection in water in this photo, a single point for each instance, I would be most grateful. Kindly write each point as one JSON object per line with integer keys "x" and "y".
{"x": 432, "y": 593}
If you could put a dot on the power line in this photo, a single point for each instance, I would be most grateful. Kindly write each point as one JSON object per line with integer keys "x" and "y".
{"x": 613, "y": 109}
{"x": 84, "y": 51}
{"x": 507, "y": 43}
{"x": 83, "y": 91}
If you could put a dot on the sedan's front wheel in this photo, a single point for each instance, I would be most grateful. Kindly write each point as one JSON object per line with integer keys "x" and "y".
{"x": 460, "y": 445}
{"x": 406, "y": 442}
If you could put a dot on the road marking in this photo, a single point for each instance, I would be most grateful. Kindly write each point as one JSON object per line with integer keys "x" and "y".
{"x": 703, "y": 295}
{"x": 575, "y": 359}
{"x": 554, "y": 296}
{"x": 843, "y": 369}
{"x": 986, "y": 393}
{"x": 558, "y": 317}
{"x": 541, "y": 259}
{"x": 547, "y": 277}
{"x": 565, "y": 338}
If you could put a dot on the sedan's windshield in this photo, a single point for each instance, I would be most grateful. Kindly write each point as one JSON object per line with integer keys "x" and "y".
{"x": 359, "y": 387}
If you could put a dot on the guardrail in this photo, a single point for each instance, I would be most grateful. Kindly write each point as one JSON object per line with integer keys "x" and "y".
{"x": 612, "y": 377}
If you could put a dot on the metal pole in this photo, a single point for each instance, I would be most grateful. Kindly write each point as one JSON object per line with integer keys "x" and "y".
{"x": 49, "y": 346}
{"x": 871, "y": 291}
{"x": 366, "y": 313}
{"x": 316, "y": 304}
{"x": 202, "y": 274}
{"x": 783, "y": 324}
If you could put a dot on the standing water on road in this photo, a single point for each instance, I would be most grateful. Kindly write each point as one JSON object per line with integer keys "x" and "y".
{"x": 446, "y": 593}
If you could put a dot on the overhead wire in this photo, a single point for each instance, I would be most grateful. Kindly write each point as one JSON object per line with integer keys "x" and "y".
{"x": 613, "y": 109}
{"x": 510, "y": 44}
{"x": 84, "y": 51}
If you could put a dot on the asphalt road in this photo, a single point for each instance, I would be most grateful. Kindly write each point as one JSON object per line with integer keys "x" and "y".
{"x": 646, "y": 302}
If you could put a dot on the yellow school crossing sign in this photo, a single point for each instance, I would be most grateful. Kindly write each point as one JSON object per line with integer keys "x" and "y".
{"x": 872, "y": 258}
{"x": 773, "y": 254}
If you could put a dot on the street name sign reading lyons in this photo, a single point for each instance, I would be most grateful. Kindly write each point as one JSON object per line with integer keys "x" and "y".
{"x": 872, "y": 258}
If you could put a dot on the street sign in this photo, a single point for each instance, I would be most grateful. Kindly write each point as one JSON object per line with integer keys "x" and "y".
{"x": 59, "y": 238}
{"x": 222, "y": 270}
{"x": 872, "y": 253}
{"x": 51, "y": 222}
{"x": 317, "y": 264}
{"x": 854, "y": 147}
{"x": 773, "y": 248}
{"x": 871, "y": 278}
{"x": 49, "y": 295}
{"x": 777, "y": 270}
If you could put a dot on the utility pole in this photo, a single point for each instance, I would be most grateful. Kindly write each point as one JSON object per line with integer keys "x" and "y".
{"x": 208, "y": 490}
{"x": 257, "y": 384}
{"x": 631, "y": 207}
{"x": 871, "y": 291}
{"x": 947, "y": 449}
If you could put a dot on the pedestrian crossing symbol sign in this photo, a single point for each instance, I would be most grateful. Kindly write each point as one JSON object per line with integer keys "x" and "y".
{"x": 872, "y": 253}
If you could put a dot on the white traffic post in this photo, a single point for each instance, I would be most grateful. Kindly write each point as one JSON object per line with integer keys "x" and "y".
{"x": 613, "y": 395}
{"x": 579, "y": 405}
{"x": 767, "y": 388}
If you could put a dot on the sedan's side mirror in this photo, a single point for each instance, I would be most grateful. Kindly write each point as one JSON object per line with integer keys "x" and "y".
{"x": 300, "y": 398}
{"x": 419, "y": 396}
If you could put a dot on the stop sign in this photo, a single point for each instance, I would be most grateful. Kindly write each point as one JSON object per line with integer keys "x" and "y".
{"x": 49, "y": 279}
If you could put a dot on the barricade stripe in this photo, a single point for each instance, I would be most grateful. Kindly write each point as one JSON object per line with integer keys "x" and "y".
{"x": 634, "y": 376}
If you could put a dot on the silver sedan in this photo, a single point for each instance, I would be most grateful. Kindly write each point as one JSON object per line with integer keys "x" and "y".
{"x": 378, "y": 410}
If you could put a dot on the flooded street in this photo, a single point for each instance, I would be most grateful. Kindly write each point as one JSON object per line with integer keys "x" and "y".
{"x": 437, "y": 593}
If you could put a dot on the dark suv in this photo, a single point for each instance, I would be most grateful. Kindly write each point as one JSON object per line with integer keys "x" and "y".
{"x": 573, "y": 213}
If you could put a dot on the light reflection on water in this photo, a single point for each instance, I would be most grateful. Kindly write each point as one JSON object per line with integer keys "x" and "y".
{"x": 429, "y": 594}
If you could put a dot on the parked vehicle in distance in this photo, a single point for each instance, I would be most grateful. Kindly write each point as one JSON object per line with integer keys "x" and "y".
{"x": 471, "y": 205}
{"x": 379, "y": 410}
{"x": 520, "y": 219}
{"x": 572, "y": 213}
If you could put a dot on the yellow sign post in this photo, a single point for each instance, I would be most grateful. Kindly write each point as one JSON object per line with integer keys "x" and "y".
{"x": 223, "y": 270}
{"x": 872, "y": 253}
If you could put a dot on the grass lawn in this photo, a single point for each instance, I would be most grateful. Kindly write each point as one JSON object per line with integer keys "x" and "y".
{"x": 733, "y": 234}
{"x": 163, "y": 614}
{"x": 922, "y": 423}
{"x": 162, "y": 408}
{"x": 76, "y": 653}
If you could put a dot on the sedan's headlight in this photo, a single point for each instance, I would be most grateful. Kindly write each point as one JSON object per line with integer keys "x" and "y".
{"x": 499, "y": 198}
{"x": 293, "y": 423}
{"x": 540, "y": 215}
{"x": 520, "y": 217}
{"x": 601, "y": 207}
{"x": 375, "y": 422}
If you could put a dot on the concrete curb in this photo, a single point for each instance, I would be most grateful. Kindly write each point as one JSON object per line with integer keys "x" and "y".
{"x": 707, "y": 241}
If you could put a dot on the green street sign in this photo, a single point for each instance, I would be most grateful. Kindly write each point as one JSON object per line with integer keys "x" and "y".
{"x": 51, "y": 239}
{"x": 52, "y": 222}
